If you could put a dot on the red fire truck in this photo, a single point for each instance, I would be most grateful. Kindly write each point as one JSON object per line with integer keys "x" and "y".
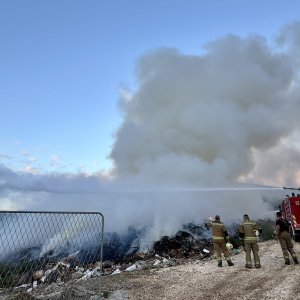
{"x": 290, "y": 208}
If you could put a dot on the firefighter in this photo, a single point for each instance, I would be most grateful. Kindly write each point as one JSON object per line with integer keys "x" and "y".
{"x": 249, "y": 238}
{"x": 282, "y": 234}
{"x": 219, "y": 234}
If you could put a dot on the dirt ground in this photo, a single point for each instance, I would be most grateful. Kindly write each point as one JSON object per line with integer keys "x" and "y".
{"x": 198, "y": 279}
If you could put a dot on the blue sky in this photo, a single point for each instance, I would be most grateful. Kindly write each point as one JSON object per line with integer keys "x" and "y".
{"x": 63, "y": 64}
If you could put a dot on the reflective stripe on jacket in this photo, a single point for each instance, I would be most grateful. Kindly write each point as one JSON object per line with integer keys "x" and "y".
{"x": 218, "y": 230}
{"x": 247, "y": 229}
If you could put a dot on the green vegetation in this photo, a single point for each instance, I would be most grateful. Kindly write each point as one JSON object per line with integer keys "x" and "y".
{"x": 268, "y": 227}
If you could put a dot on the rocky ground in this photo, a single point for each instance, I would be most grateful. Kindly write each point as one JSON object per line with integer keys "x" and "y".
{"x": 204, "y": 280}
{"x": 190, "y": 279}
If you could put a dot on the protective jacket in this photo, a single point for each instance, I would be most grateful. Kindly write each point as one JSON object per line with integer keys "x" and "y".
{"x": 246, "y": 231}
{"x": 219, "y": 231}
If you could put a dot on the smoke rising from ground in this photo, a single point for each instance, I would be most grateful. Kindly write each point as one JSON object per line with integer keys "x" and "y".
{"x": 200, "y": 118}
{"x": 225, "y": 116}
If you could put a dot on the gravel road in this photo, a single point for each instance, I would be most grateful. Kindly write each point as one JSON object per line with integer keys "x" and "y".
{"x": 198, "y": 279}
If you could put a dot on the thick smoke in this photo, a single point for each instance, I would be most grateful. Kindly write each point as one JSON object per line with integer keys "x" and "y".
{"x": 226, "y": 116}
{"x": 198, "y": 119}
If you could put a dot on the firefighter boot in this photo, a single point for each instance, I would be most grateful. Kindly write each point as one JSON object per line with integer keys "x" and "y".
{"x": 220, "y": 264}
{"x": 248, "y": 266}
{"x": 230, "y": 263}
{"x": 296, "y": 261}
{"x": 257, "y": 266}
{"x": 287, "y": 261}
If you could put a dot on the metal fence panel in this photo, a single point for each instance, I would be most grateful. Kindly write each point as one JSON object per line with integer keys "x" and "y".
{"x": 43, "y": 247}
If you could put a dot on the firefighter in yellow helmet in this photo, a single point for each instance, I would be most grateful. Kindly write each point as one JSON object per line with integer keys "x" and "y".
{"x": 219, "y": 234}
{"x": 247, "y": 234}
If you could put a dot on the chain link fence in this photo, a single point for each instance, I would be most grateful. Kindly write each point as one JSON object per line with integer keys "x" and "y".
{"x": 42, "y": 248}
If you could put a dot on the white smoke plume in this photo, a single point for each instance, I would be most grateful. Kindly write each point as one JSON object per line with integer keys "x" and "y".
{"x": 226, "y": 116}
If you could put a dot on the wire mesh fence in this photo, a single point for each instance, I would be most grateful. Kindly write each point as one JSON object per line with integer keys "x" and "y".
{"x": 41, "y": 248}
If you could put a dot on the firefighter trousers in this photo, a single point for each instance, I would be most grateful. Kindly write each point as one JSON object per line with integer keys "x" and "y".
{"x": 286, "y": 244}
{"x": 220, "y": 247}
{"x": 251, "y": 246}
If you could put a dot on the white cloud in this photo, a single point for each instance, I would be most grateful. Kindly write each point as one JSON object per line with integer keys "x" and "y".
{"x": 25, "y": 153}
{"x": 8, "y": 204}
{"x": 30, "y": 169}
{"x": 55, "y": 158}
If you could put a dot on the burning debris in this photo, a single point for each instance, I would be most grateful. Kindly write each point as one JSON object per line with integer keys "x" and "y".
{"x": 183, "y": 244}
{"x": 53, "y": 278}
